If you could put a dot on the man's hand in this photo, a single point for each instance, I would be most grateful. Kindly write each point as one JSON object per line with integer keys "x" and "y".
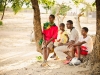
{"x": 47, "y": 43}
{"x": 44, "y": 42}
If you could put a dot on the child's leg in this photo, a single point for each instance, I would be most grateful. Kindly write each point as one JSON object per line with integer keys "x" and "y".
{"x": 78, "y": 51}
{"x": 48, "y": 52}
{"x": 73, "y": 52}
{"x": 49, "y": 48}
{"x": 45, "y": 54}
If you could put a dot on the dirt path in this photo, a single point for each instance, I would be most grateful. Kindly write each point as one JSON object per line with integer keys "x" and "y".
{"x": 18, "y": 54}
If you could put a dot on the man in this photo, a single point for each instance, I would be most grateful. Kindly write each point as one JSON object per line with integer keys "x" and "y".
{"x": 73, "y": 38}
{"x": 50, "y": 31}
{"x": 84, "y": 45}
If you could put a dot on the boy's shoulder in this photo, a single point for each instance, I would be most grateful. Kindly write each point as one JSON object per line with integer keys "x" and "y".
{"x": 89, "y": 37}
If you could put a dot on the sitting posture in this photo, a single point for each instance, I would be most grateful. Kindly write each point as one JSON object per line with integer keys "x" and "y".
{"x": 63, "y": 50}
{"x": 50, "y": 31}
{"x": 84, "y": 45}
{"x": 62, "y": 37}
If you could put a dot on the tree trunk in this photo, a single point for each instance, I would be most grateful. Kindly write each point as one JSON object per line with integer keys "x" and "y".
{"x": 78, "y": 22}
{"x": 87, "y": 16}
{"x": 4, "y": 10}
{"x": 95, "y": 58}
{"x": 37, "y": 24}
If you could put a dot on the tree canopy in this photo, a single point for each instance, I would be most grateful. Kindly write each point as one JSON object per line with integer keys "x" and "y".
{"x": 47, "y": 4}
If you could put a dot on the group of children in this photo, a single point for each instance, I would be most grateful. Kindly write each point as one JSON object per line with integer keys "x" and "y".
{"x": 65, "y": 47}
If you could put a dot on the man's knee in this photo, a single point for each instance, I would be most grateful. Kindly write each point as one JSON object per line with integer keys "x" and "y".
{"x": 56, "y": 49}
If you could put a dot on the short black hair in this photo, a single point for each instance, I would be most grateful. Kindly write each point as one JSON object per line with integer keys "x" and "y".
{"x": 62, "y": 24}
{"x": 70, "y": 21}
{"x": 53, "y": 16}
{"x": 86, "y": 29}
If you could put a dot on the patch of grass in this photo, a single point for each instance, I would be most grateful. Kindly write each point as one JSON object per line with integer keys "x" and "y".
{"x": 1, "y": 23}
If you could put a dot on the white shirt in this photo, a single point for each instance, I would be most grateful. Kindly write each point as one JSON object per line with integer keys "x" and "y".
{"x": 74, "y": 35}
{"x": 88, "y": 44}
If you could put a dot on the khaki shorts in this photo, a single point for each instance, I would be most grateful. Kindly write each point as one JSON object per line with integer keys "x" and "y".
{"x": 50, "y": 45}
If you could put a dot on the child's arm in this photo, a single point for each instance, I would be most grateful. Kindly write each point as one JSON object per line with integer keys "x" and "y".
{"x": 79, "y": 43}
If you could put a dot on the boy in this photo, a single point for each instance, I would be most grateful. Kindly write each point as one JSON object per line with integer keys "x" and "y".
{"x": 62, "y": 37}
{"x": 84, "y": 45}
{"x": 50, "y": 31}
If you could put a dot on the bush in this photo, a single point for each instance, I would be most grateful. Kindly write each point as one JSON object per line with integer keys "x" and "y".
{"x": 1, "y": 23}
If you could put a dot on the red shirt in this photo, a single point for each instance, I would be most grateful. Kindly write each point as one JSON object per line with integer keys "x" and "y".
{"x": 52, "y": 32}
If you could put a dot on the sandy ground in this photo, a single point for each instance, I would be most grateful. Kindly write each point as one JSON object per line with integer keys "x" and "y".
{"x": 18, "y": 54}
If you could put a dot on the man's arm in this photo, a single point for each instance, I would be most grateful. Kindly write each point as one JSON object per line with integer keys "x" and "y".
{"x": 49, "y": 41}
{"x": 44, "y": 42}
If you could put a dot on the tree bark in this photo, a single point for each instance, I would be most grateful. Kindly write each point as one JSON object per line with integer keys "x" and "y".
{"x": 4, "y": 10}
{"x": 37, "y": 24}
{"x": 95, "y": 58}
{"x": 78, "y": 22}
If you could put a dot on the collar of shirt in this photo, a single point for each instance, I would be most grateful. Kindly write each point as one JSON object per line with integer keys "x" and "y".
{"x": 72, "y": 29}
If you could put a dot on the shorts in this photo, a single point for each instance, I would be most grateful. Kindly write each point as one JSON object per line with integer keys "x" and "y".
{"x": 50, "y": 45}
{"x": 83, "y": 51}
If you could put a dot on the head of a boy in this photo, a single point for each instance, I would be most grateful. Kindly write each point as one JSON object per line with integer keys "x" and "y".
{"x": 69, "y": 24}
{"x": 62, "y": 26}
{"x": 84, "y": 31}
{"x": 51, "y": 18}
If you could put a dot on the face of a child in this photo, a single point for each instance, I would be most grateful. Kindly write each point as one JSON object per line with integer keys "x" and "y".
{"x": 51, "y": 19}
{"x": 69, "y": 26}
{"x": 83, "y": 32}
{"x": 61, "y": 27}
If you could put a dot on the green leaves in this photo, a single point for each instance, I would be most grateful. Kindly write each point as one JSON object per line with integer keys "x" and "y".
{"x": 77, "y": 2}
{"x": 47, "y": 4}
{"x": 17, "y": 5}
{"x": 62, "y": 9}
{"x": 27, "y": 3}
{"x": 94, "y": 4}
{"x": 1, "y": 23}
{"x": 2, "y": 4}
